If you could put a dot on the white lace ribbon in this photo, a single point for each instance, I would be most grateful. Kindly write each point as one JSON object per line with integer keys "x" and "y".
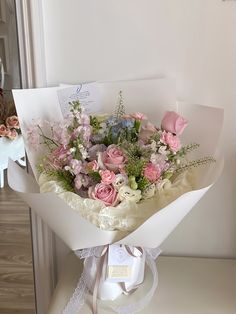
{"x": 78, "y": 298}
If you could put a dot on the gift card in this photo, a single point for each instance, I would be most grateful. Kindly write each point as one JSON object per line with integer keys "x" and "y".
{"x": 86, "y": 93}
{"x": 120, "y": 265}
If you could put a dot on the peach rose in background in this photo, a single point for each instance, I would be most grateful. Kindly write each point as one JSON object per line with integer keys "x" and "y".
{"x": 12, "y": 122}
{"x": 173, "y": 123}
{"x": 3, "y": 130}
{"x": 12, "y": 134}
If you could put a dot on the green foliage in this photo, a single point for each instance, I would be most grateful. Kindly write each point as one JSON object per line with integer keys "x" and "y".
{"x": 134, "y": 151}
{"x": 143, "y": 183}
{"x": 132, "y": 183}
{"x": 75, "y": 106}
{"x": 187, "y": 149}
{"x": 137, "y": 125}
{"x": 167, "y": 174}
{"x": 65, "y": 178}
{"x": 95, "y": 176}
{"x": 94, "y": 122}
{"x": 120, "y": 110}
{"x": 135, "y": 167}
{"x": 108, "y": 139}
{"x": 155, "y": 137}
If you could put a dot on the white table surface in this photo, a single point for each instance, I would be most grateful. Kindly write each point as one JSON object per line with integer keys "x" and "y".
{"x": 13, "y": 149}
{"x": 186, "y": 286}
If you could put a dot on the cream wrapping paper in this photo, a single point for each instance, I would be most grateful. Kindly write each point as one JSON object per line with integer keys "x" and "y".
{"x": 152, "y": 97}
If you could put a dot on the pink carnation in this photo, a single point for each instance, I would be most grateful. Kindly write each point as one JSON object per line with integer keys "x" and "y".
{"x": 171, "y": 140}
{"x": 173, "y": 123}
{"x": 152, "y": 172}
{"x": 105, "y": 193}
{"x": 137, "y": 116}
{"x": 107, "y": 176}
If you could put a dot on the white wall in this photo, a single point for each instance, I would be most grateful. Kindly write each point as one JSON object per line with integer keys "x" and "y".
{"x": 191, "y": 40}
{"x": 8, "y": 30}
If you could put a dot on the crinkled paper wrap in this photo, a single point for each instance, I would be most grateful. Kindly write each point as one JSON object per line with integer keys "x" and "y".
{"x": 127, "y": 216}
{"x": 152, "y": 97}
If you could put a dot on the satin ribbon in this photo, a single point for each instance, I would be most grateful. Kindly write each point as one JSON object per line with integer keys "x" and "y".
{"x": 102, "y": 262}
{"x": 78, "y": 298}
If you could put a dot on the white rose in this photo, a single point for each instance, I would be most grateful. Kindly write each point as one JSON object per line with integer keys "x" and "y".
{"x": 126, "y": 193}
{"x": 120, "y": 181}
{"x": 149, "y": 191}
{"x": 164, "y": 185}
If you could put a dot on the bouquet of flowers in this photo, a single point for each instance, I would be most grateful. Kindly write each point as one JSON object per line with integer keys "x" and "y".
{"x": 115, "y": 159}
{"x": 113, "y": 186}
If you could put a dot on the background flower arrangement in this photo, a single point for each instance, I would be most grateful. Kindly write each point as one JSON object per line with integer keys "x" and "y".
{"x": 9, "y": 123}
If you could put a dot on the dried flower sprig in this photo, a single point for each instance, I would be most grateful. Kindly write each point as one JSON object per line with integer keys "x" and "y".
{"x": 194, "y": 163}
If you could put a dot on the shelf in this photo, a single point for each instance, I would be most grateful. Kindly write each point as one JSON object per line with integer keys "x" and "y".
{"x": 186, "y": 286}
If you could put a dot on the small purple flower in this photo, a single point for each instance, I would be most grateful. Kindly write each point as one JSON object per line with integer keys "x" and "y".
{"x": 81, "y": 180}
{"x": 76, "y": 166}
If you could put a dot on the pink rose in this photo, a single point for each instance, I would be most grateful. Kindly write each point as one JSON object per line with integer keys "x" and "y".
{"x": 76, "y": 166}
{"x": 12, "y": 122}
{"x": 107, "y": 176}
{"x": 147, "y": 131}
{"x": 113, "y": 158}
{"x": 92, "y": 166}
{"x": 173, "y": 123}
{"x": 3, "y": 130}
{"x": 12, "y": 134}
{"x": 171, "y": 140}
{"x": 105, "y": 193}
{"x": 152, "y": 172}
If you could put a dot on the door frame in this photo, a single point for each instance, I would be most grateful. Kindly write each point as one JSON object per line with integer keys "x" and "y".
{"x": 33, "y": 74}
